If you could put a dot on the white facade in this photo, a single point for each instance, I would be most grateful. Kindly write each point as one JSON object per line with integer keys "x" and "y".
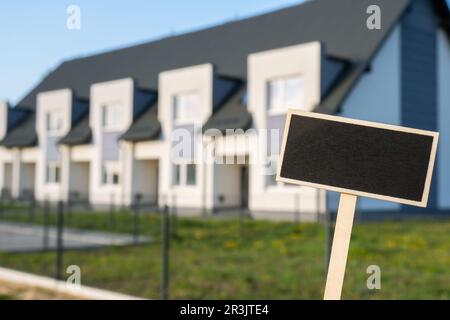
{"x": 111, "y": 170}
{"x": 302, "y": 61}
{"x": 53, "y": 121}
{"x": 198, "y": 81}
{"x": 119, "y": 95}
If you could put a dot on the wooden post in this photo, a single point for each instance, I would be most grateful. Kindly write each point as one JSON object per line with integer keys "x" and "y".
{"x": 341, "y": 243}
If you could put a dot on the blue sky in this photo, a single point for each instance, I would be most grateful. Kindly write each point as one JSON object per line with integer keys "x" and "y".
{"x": 34, "y": 38}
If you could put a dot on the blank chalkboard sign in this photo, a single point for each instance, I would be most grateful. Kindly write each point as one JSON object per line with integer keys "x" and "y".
{"x": 358, "y": 157}
{"x": 355, "y": 158}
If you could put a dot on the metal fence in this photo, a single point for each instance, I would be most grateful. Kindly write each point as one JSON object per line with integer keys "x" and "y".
{"x": 62, "y": 228}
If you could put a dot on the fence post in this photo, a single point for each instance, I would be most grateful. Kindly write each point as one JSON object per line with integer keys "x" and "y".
{"x": 136, "y": 209}
{"x": 70, "y": 204}
{"x": 2, "y": 199}
{"x": 112, "y": 211}
{"x": 165, "y": 228}
{"x": 45, "y": 236}
{"x": 59, "y": 240}
{"x": 173, "y": 228}
{"x": 31, "y": 207}
{"x": 241, "y": 218}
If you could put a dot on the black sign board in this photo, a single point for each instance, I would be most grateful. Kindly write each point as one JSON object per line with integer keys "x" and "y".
{"x": 358, "y": 157}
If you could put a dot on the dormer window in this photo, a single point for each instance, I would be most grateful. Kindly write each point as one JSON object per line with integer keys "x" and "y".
{"x": 185, "y": 107}
{"x": 284, "y": 93}
{"x": 53, "y": 123}
{"x": 112, "y": 117}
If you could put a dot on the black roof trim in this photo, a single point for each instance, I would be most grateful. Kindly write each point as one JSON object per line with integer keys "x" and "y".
{"x": 233, "y": 114}
{"x": 146, "y": 126}
{"x": 227, "y": 46}
{"x": 332, "y": 103}
{"x": 80, "y": 133}
{"x": 23, "y": 135}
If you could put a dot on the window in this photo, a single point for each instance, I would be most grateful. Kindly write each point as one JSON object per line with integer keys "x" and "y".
{"x": 185, "y": 107}
{"x": 191, "y": 174}
{"x": 271, "y": 172}
{"x": 52, "y": 174}
{"x": 184, "y": 174}
{"x": 271, "y": 176}
{"x": 110, "y": 173}
{"x": 112, "y": 116}
{"x": 176, "y": 174}
{"x": 285, "y": 93}
{"x": 53, "y": 123}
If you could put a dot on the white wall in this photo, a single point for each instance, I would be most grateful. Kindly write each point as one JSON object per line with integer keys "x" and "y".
{"x": 5, "y": 154}
{"x": 227, "y": 184}
{"x": 28, "y": 171}
{"x": 6, "y": 160}
{"x": 52, "y": 101}
{"x": 141, "y": 172}
{"x": 3, "y": 118}
{"x": 376, "y": 97}
{"x": 443, "y": 69}
{"x": 6, "y": 175}
{"x": 199, "y": 79}
{"x": 145, "y": 179}
{"x": 79, "y": 178}
{"x": 143, "y": 167}
{"x": 117, "y": 91}
{"x": 304, "y": 60}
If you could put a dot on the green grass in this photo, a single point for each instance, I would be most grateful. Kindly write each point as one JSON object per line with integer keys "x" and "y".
{"x": 218, "y": 259}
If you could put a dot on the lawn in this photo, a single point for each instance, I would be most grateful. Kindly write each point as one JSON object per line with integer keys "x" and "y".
{"x": 225, "y": 259}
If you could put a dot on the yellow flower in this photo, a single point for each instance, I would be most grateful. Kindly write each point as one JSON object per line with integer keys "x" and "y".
{"x": 198, "y": 234}
{"x": 230, "y": 244}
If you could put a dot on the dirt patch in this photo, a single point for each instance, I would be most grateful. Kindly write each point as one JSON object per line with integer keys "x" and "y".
{"x": 10, "y": 291}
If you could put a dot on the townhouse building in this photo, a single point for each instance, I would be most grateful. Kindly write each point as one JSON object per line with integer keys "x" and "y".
{"x": 196, "y": 120}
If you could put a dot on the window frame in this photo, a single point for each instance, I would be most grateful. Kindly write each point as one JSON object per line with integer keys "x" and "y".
{"x": 176, "y": 175}
{"x": 282, "y": 104}
{"x": 194, "y": 181}
{"x": 110, "y": 174}
{"x": 118, "y": 118}
{"x": 270, "y": 181}
{"x": 53, "y": 172}
{"x": 274, "y": 183}
{"x": 52, "y": 117}
{"x": 188, "y": 116}
{"x": 183, "y": 175}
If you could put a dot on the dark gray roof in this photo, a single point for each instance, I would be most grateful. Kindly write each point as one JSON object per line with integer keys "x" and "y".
{"x": 339, "y": 25}
{"x": 146, "y": 126}
{"x": 23, "y": 134}
{"x": 80, "y": 133}
{"x": 232, "y": 114}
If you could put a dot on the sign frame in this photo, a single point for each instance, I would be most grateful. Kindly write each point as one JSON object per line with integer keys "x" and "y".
{"x": 422, "y": 203}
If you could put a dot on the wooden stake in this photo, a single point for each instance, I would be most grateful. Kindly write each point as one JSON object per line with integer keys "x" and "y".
{"x": 341, "y": 243}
